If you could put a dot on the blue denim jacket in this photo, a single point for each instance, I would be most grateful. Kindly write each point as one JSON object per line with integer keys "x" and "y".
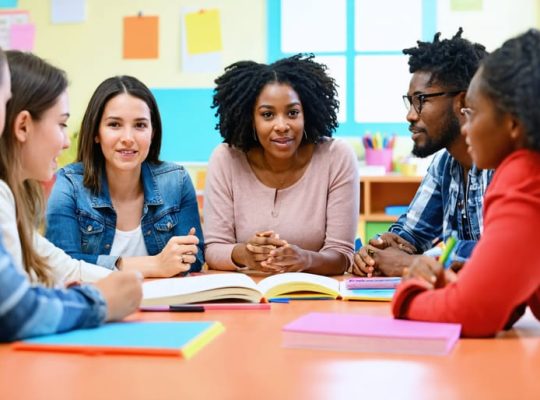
{"x": 444, "y": 203}
{"x": 30, "y": 311}
{"x": 83, "y": 224}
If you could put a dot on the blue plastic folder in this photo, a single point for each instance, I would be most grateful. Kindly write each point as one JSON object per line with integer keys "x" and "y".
{"x": 182, "y": 339}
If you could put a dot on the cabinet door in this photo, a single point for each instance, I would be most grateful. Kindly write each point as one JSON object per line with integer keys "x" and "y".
{"x": 372, "y": 228}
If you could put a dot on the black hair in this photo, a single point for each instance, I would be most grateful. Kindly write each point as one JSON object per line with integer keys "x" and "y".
{"x": 510, "y": 76}
{"x": 89, "y": 152}
{"x": 238, "y": 88}
{"x": 451, "y": 62}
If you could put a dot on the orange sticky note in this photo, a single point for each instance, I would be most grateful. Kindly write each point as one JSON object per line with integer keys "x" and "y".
{"x": 141, "y": 37}
{"x": 201, "y": 179}
{"x": 203, "y": 32}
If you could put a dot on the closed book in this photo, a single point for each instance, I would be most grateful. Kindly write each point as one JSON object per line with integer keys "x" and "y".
{"x": 373, "y": 283}
{"x": 239, "y": 287}
{"x": 172, "y": 338}
{"x": 363, "y": 333}
{"x": 367, "y": 294}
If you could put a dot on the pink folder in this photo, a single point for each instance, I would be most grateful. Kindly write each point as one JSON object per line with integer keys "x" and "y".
{"x": 362, "y": 333}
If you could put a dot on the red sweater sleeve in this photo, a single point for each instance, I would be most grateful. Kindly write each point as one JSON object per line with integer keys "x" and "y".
{"x": 503, "y": 271}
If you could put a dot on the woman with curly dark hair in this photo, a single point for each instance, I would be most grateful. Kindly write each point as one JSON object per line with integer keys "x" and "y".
{"x": 502, "y": 131}
{"x": 281, "y": 194}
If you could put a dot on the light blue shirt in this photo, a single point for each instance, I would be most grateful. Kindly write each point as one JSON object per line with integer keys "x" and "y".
{"x": 27, "y": 310}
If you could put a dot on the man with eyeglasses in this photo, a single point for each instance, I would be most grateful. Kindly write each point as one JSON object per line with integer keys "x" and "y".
{"x": 450, "y": 197}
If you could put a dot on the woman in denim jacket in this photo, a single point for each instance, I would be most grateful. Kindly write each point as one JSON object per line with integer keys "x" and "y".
{"x": 119, "y": 206}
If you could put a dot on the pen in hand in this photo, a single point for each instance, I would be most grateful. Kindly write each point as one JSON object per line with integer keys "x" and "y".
{"x": 444, "y": 259}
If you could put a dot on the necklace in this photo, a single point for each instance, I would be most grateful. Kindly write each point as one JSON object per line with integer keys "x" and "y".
{"x": 284, "y": 178}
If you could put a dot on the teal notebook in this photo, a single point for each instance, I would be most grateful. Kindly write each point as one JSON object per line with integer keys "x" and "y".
{"x": 367, "y": 294}
{"x": 183, "y": 339}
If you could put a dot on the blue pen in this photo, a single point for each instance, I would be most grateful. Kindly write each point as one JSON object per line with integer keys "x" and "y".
{"x": 369, "y": 142}
{"x": 357, "y": 244}
{"x": 279, "y": 300}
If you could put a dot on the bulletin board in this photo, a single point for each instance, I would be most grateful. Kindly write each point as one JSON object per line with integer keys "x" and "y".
{"x": 359, "y": 40}
{"x": 87, "y": 39}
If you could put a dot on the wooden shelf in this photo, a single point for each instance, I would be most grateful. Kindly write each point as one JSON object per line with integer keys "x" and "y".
{"x": 379, "y": 192}
{"x": 380, "y": 217}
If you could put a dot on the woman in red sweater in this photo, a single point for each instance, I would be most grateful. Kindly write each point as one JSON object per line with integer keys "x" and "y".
{"x": 503, "y": 275}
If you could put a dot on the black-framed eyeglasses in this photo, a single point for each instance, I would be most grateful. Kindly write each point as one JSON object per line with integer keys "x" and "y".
{"x": 417, "y": 100}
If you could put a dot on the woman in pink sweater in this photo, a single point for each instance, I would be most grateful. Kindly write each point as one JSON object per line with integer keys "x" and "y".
{"x": 503, "y": 275}
{"x": 281, "y": 194}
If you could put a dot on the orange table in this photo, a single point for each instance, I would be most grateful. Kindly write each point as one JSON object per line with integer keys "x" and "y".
{"x": 248, "y": 362}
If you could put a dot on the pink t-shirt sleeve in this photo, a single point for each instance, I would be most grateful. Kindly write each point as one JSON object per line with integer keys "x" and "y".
{"x": 318, "y": 213}
{"x": 219, "y": 231}
{"x": 343, "y": 201}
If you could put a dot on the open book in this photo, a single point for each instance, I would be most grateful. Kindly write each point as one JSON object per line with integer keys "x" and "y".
{"x": 240, "y": 287}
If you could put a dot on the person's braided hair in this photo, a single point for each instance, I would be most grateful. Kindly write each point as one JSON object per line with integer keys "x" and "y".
{"x": 510, "y": 76}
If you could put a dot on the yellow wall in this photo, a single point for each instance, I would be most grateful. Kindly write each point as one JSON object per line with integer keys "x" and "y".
{"x": 92, "y": 51}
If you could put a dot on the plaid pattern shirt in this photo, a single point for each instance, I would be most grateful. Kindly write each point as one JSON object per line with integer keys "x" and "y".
{"x": 27, "y": 310}
{"x": 445, "y": 203}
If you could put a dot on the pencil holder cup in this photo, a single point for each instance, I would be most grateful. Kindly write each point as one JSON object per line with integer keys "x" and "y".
{"x": 379, "y": 157}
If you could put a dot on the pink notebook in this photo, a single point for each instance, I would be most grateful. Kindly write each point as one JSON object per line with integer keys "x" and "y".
{"x": 362, "y": 333}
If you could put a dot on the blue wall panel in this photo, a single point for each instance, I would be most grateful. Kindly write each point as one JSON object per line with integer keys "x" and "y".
{"x": 188, "y": 124}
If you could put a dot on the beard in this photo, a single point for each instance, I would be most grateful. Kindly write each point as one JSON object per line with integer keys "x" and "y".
{"x": 450, "y": 130}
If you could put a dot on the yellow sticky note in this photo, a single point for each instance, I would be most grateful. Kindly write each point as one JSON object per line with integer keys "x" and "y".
{"x": 203, "y": 32}
{"x": 466, "y": 5}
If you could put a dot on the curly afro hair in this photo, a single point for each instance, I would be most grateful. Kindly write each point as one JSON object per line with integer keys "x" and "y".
{"x": 238, "y": 88}
{"x": 452, "y": 62}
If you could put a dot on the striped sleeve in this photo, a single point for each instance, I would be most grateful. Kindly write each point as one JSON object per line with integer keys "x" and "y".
{"x": 27, "y": 310}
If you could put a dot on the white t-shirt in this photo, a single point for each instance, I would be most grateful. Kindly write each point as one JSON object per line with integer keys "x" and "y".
{"x": 129, "y": 243}
{"x": 63, "y": 267}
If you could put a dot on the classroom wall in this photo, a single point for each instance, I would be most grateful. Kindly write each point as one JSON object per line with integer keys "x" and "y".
{"x": 254, "y": 29}
{"x": 92, "y": 51}
{"x": 492, "y": 22}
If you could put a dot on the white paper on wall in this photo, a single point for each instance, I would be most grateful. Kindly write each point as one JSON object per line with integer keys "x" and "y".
{"x": 313, "y": 25}
{"x": 380, "y": 83}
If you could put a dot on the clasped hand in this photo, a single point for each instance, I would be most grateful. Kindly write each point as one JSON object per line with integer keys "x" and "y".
{"x": 271, "y": 254}
{"x": 383, "y": 255}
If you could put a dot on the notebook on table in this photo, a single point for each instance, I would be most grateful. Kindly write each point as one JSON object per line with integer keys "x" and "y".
{"x": 182, "y": 339}
{"x": 363, "y": 333}
{"x": 372, "y": 283}
{"x": 367, "y": 294}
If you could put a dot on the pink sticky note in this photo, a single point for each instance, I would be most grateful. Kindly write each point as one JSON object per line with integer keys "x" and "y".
{"x": 22, "y": 37}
